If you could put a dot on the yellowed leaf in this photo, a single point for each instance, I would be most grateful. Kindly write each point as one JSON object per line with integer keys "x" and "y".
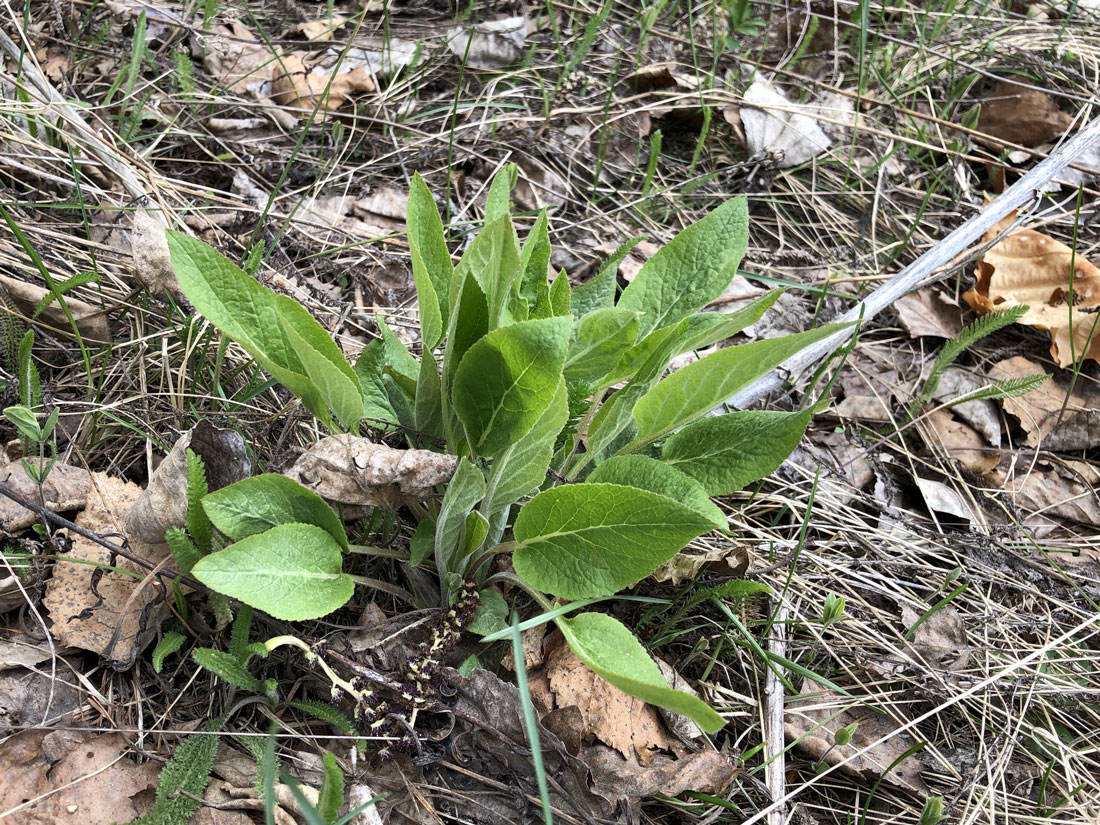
{"x": 1032, "y": 269}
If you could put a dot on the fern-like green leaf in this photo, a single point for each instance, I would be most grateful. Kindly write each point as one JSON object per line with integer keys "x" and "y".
{"x": 327, "y": 713}
{"x": 30, "y": 387}
{"x": 188, "y": 771}
{"x": 171, "y": 642}
{"x": 1003, "y": 388}
{"x": 198, "y": 523}
{"x": 954, "y": 347}
{"x": 238, "y": 637}
{"x": 67, "y": 285}
{"x": 733, "y": 589}
{"x": 331, "y": 796}
{"x": 183, "y": 549}
{"x": 226, "y": 666}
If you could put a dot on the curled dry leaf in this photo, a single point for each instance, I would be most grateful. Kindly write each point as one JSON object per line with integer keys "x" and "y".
{"x": 94, "y": 603}
{"x": 163, "y": 504}
{"x": 940, "y": 640}
{"x": 1020, "y": 115}
{"x": 1053, "y": 418}
{"x": 149, "y": 248}
{"x": 776, "y": 126}
{"x": 496, "y": 44}
{"x": 1032, "y": 269}
{"x": 349, "y": 470}
{"x": 813, "y": 718}
{"x": 959, "y": 441}
{"x": 376, "y": 215}
{"x": 297, "y": 85}
{"x": 233, "y": 55}
{"x": 90, "y": 319}
{"x": 629, "y": 725}
{"x": 928, "y": 312}
{"x": 1050, "y": 495}
{"x": 65, "y": 488}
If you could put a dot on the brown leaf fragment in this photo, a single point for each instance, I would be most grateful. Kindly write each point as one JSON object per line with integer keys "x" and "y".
{"x": 1032, "y": 269}
{"x": 940, "y": 640}
{"x": 304, "y": 87}
{"x": 705, "y": 771}
{"x": 90, "y": 319}
{"x": 163, "y": 504}
{"x": 1020, "y": 115}
{"x": 629, "y": 725}
{"x": 960, "y": 442}
{"x": 152, "y": 260}
{"x": 1052, "y": 420}
{"x": 1049, "y": 493}
{"x": 94, "y": 607}
{"x": 73, "y": 776}
{"x": 31, "y": 697}
{"x": 350, "y": 470}
{"x": 492, "y": 45}
{"x": 928, "y": 312}
{"x": 65, "y": 488}
{"x": 817, "y": 714}
{"x": 233, "y": 55}
{"x": 317, "y": 29}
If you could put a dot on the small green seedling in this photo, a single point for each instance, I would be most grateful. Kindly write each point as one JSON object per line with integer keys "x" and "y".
{"x": 833, "y": 611}
{"x": 932, "y": 813}
{"x": 578, "y": 456}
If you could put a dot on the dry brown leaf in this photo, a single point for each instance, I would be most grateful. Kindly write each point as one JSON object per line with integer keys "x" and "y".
{"x": 356, "y": 471}
{"x": 65, "y": 488}
{"x": 773, "y": 125}
{"x": 149, "y": 249}
{"x": 943, "y": 499}
{"x": 1047, "y": 493}
{"x": 493, "y": 45}
{"x": 960, "y": 442}
{"x": 982, "y": 414}
{"x": 78, "y": 775}
{"x": 29, "y": 698}
{"x": 1020, "y": 115}
{"x": 813, "y": 719}
{"x": 233, "y": 55}
{"x": 532, "y": 649}
{"x": 705, "y": 771}
{"x": 297, "y": 85}
{"x": 940, "y": 640}
{"x": 376, "y": 215}
{"x": 928, "y": 312}
{"x": 688, "y": 563}
{"x": 629, "y": 725}
{"x": 1032, "y": 269}
{"x": 1051, "y": 420}
{"x": 163, "y": 504}
{"x": 538, "y": 185}
{"x": 98, "y": 609}
{"x": 16, "y": 650}
{"x": 90, "y": 319}
{"x": 317, "y": 29}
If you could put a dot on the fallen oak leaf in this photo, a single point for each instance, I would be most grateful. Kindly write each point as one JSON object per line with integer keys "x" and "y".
{"x": 1017, "y": 114}
{"x": 1028, "y": 268}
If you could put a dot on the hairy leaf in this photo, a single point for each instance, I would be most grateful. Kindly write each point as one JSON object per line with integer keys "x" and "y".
{"x": 650, "y": 474}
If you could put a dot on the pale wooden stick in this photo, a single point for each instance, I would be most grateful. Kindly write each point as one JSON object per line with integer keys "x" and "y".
{"x": 775, "y": 770}
{"x": 940, "y": 255}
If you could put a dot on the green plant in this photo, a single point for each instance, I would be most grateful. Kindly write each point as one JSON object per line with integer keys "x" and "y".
{"x": 516, "y": 379}
{"x": 36, "y": 438}
{"x": 932, "y": 813}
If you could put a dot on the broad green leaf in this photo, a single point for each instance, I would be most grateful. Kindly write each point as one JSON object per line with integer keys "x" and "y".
{"x": 399, "y": 398}
{"x": 328, "y": 370}
{"x": 469, "y": 324}
{"x": 498, "y": 204}
{"x": 398, "y": 356}
{"x": 650, "y": 474}
{"x": 492, "y": 614}
{"x": 492, "y": 259}
{"x": 531, "y": 289}
{"x": 726, "y": 452}
{"x": 692, "y": 269}
{"x": 585, "y": 540}
{"x": 615, "y": 417}
{"x": 613, "y": 652}
{"x": 293, "y": 572}
{"x": 257, "y": 504}
{"x": 427, "y": 301}
{"x": 507, "y": 379}
{"x": 598, "y": 343}
{"x": 422, "y": 543}
{"x": 706, "y": 328}
{"x": 698, "y": 388}
{"x": 559, "y": 294}
{"x": 428, "y": 406}
{"x": 465, "y": 490}
{"x": 426, "y": 238}
{"x": 599, "y": 292}
{"x": 369, "y": 369}
{"x": 664, "y": 342}
{"x": 523, "y": 466}
{"x": 477, "y": 528}
{"x": 242, "y": 309}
